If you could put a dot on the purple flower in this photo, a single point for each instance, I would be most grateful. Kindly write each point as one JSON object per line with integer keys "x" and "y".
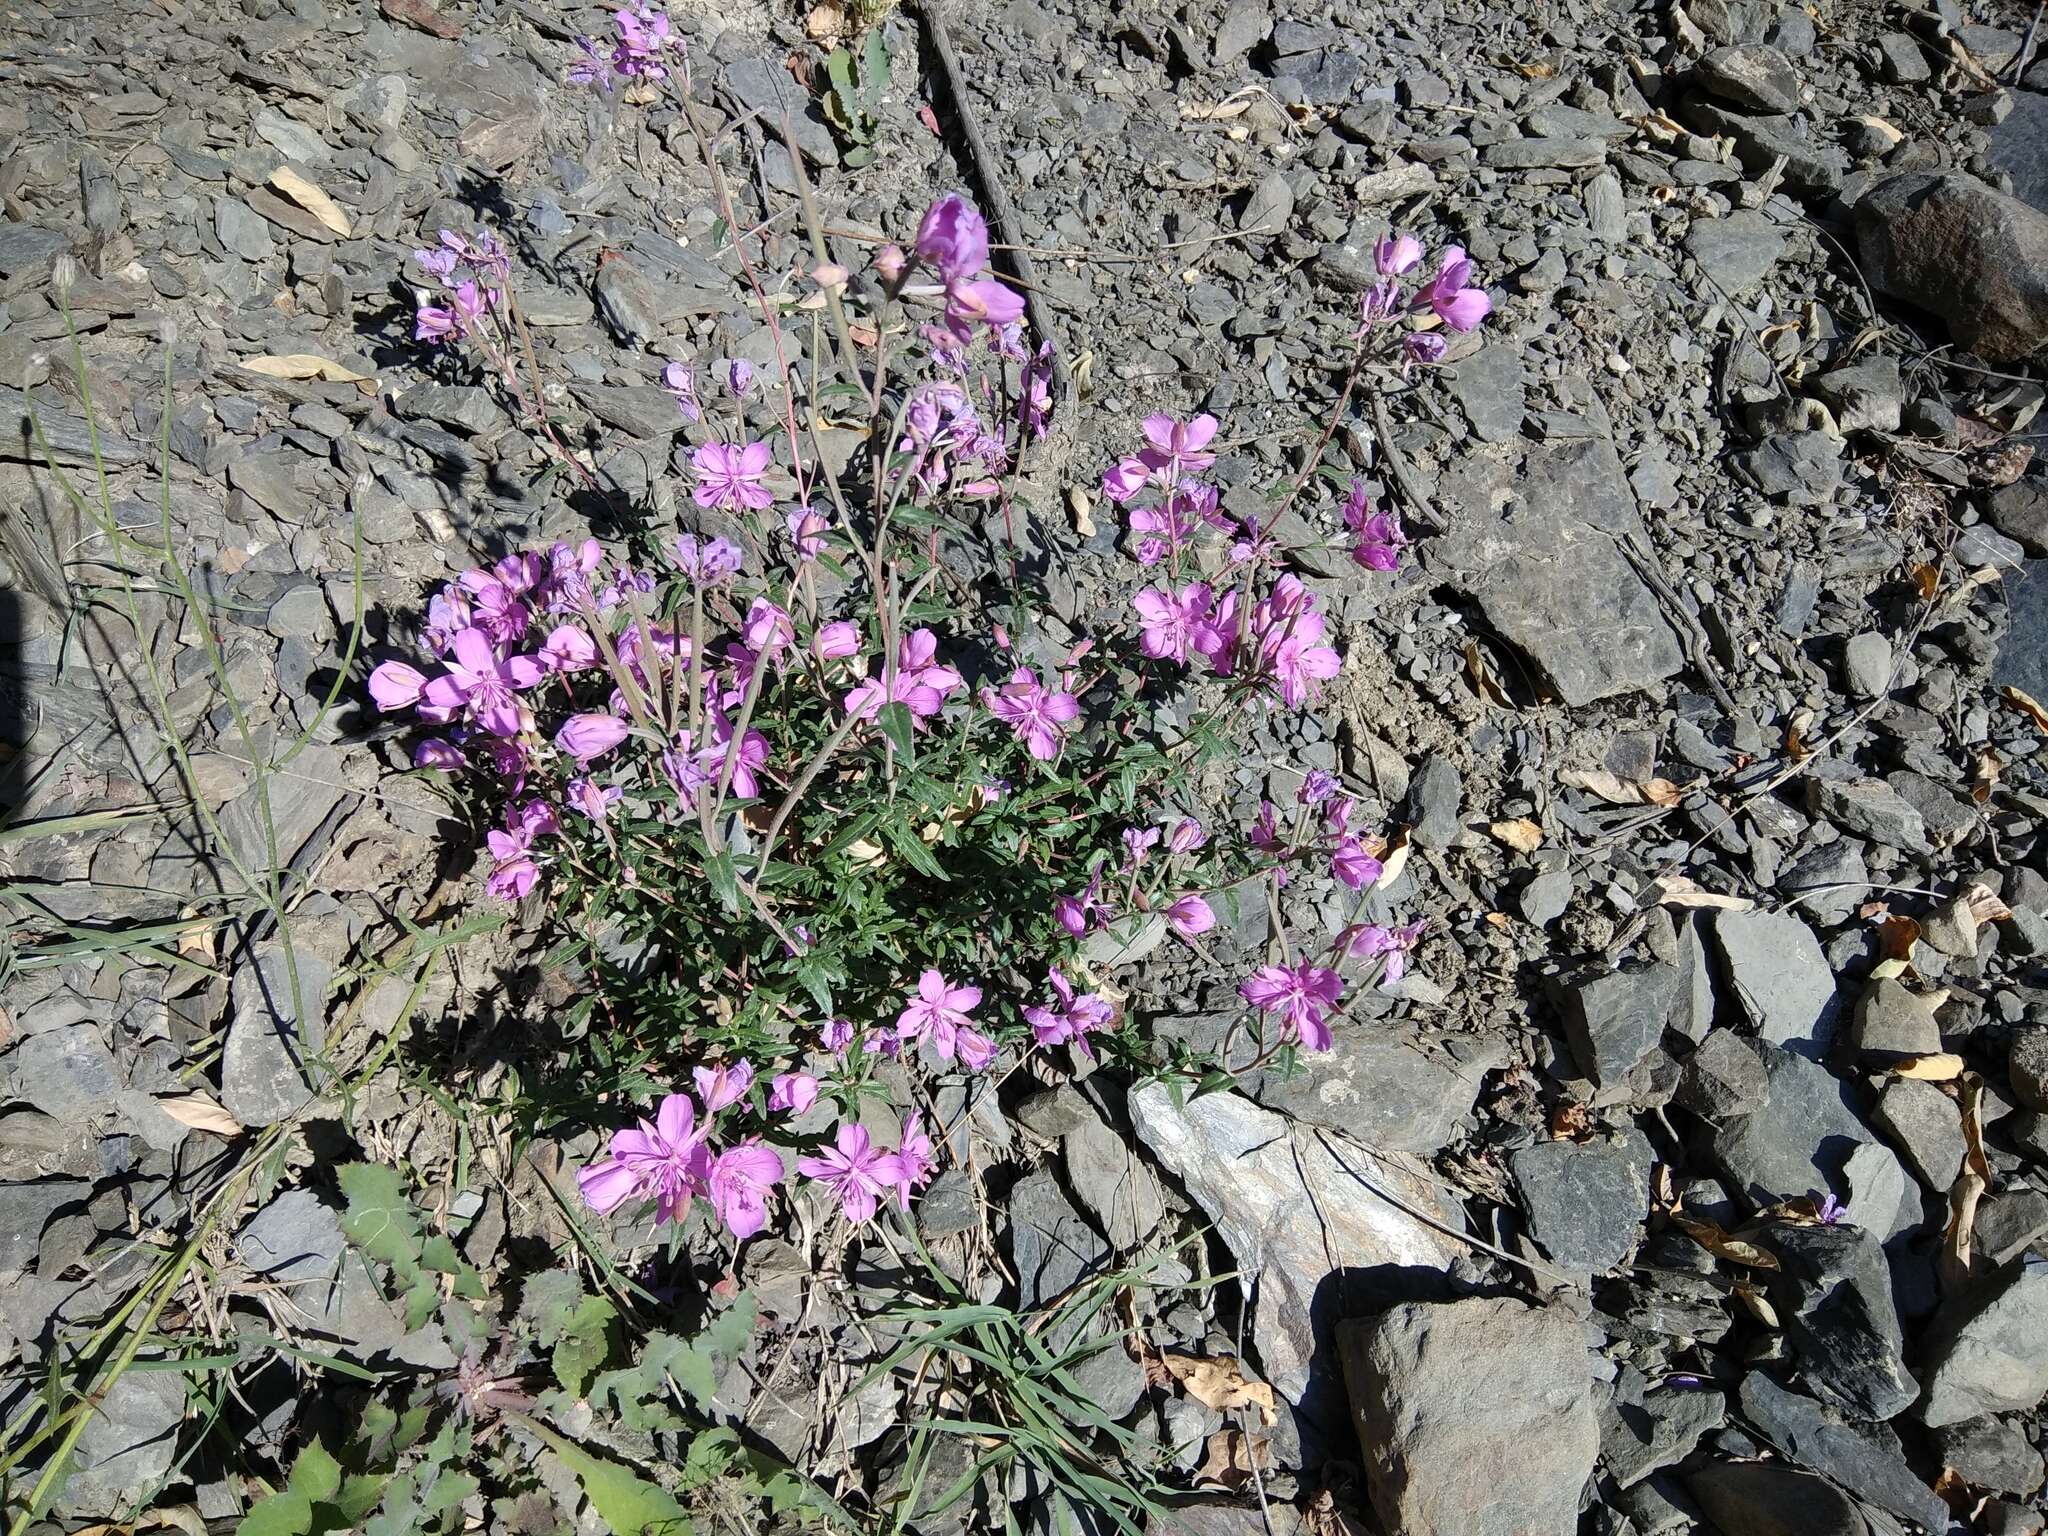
{"x": 1317, "y": 785}
{"x": 590, "y": 799}
{"x": 952, "y": 238}
{"x": 731, "y": 477}
{"x": 1423, "y": 347}
{"x": 941, "y": 1010}
{"x": 1829, "y": 1209}
{"x": 722, "y": 1086}
{"x": 834, "y": 641}
{"x": 792, "y": 1093}
{"x": 1379, "y": 534}
{"x": 1178, "y": 445}
{"x": 914, "y": 1158}
{"x": 1037, "y": 714}
{"x": 986, "y": 301}
{"x": 1187, "y": 836}
{"x": 1300, "y": 995}
{"x": 807, "y": 532}
{"x": 1265, "y": 834}
{"x": 1072, "y": 1016}
{"x": 479, "y": 684}
{"x": 1288, "y": 635}
{"x": 438, "y": 752}
{"x": 1354, "y": 866}
{"x": 1372, "y": 939}
{"x": 1395, "y": 254}
{"x": 1124, "y": 479}
{"x": 836, "y": 1035}
{"x": 1450, "y": 294}
{"x": 394, "y": 685}
{"x": 855, "y": 1171}
{"x": 430, "y": 322}
{"x": 1138, "y": 842}
{"x": 739, "y": 1181}
{"x": 589, "y": 736}
{"x": 1189, "y": 916}
{"x": 711, "y": 561}
{"x": 568, "y": 649}
{"x": 680, "y": 380}
{"x": 1171, "y": 619}
{"x": 1034, "y": 401}
{"x": 922, "y": 683}
{"x": 666, "y": 1160}
{"x": 737, "y": 375}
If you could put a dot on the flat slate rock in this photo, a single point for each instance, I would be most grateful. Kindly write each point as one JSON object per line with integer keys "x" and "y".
{"x": 1586, "y": 1202}
{"x": 1737, "y": 252}
{"x": 1376, "y": 1085}
{"x": 1865, "y": 1457}
{"x": 1536, "y": 547}
{"x": 1779, "y": 978}
{"x": 1987, "y": 1348}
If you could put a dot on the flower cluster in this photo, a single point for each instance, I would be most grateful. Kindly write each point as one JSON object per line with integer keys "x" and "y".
{"x": 645, "y": 39}
{"x": 473, "y": 270}
{"x": 1448, "y": 299}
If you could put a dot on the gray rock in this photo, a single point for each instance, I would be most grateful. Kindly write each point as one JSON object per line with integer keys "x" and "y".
{"x": 1541, "y": 154}
{"x": 1270, "y": 206}
{"x": 378, "y": 102}
{"x": 1865, "y": 1457}
{"x": 1723, "y": 1077}
{"x": 274, "y": 1034}
{"x": 1980, "y": 544}
{"x": 948, "y": 1205}
{"x": 1779, "y": 978}
{"x": 1612, "y": 1021}
{"x": 1987, "y": 1348}
{"x": 1977, "y": 258}
{"x": 1536, "y": 548}
{"x": 1834, "y": 1295}
{"x": 29, "y": 247}
{"x": 1284, "y": 1199}
{"x": 1436, "y": 796}
{"x": 2007, "y": 1224}
{"x": 1811, "y": 166}
{"x": 1544, "y": 899}
{"x": 1606, "y": 208}
{"x": 1244, "y": 26}
{"x": 1504, "y": 1451}
{"x": 1870, "y": 808}
{"x": 767, "y": 87}
{"x": 295, "y": 1244}
{"x": 1737, "y": 252}
{"x": 1586, "y": 1202}
{"x": 638, "y": 410}
{"x": 1376, "y": 1084}
{"x": 1866, "y": 396}
{"x": 1882, "y": 1196}
{"x": 128, "y": 1444}
{"x": 1642, "y": 1432}
{"x": 26, "y": 1207}
{"x": 1990, "y": 1453}
{"x": 461, "y": 407}
{"x": 1803, "y": 467}
{"x": 1892, "y": 1022}
{"x": 1052, "y": 1245}
{"x": 2020, "y": 512}
{"x": 1114, "y": 1185}
{"x": 68, "y": 1073}
{"x": 1904, "y": 62}
{"x": 1867, "y": 664}
{"x": 2027, "y": 1067}
{"x": 241, "y": 230}
{"x": 1926, "y": 1128}
{"x": 1752, "y": 76}
{"x": 1488, "y": 384}
{"x": 1767, "y": 1498}
{"x": 1800, "y": 1139}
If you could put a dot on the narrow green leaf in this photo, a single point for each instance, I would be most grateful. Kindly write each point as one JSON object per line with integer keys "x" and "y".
{"x": 627, "y": 1503}
{"x": 895, "y": 722}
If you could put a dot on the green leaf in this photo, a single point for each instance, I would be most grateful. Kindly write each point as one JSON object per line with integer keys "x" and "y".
{"x": 731, "y": 1329}
{"x": 358, "y": 1495}
{"x": 874, "y": 67}
{"x": 626, "y": 1502}
{"x": 285, "y": 1513}
{"x": 315, "y": 1473}
{"x": 549, "y": 1301}
{"x": 585, "y": 1341}
{"x": 724, "y": 878}
{"x": 380, "y": 1219}
{"x": 895, "y": 722}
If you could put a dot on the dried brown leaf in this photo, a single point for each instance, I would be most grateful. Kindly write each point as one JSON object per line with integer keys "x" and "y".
{"x": 1484, "y": 683}
{"x": 1231, "y": 1457}
{"x": 1940, "y": 1067}
{"x": 1985, "y": 905}
{"x": 302, "y": 365}
{"x": 417, "y": 13}
{"x": 1683, "y": 891}
{"x": 1218, "y": 1382}
{"x": 311, "y": 198}
{"x": 1953, "y": 1262}
{"x": 2025, "y": 702}
{"x": 1710, "y": 1236}
{"x": 201, "y": 1113}
{"x": 1616, "y": 790}
{"x": 1521, "y": 834}
{"x": 1927, "y": 579}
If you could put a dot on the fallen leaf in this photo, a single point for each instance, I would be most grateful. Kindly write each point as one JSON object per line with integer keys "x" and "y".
{"x": 1078, "y": 504}
{"x": 1710, "y": 1236}
{"x": 1571, "y": 1121}
{"x": 1684, "y": 891}
{"x": 1939, "y": 1067}
{"x": 1484, "y": 683}
{"x": 312, "y": 199}
{"x": 201, "y": 1114}
{"x": 1616, "y": 790}
{"x": 417, "y": 13}
{"x": 1927, "y": 579}
{"x": 1394, "y": 861}
{"x": 1989, "y": 765}
{"x": 1522, "y": 834}
{"x": 2021, "y": 700}
{"x": 1232, "y": 1455}
{"x": 1217, "y": 1382}
{"x": 302, "y": 365}
{"x": 824, "y": 21}
{"x": 866, "y": 855}
{"x": 1795, "y": 744}
{"x": 1953, "y": 1262}
{"x": 1985, "y": 905}
{"x": 1759, "y": 1305}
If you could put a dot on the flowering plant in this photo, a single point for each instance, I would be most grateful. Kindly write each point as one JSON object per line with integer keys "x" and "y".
{"x": 811, "y": 822}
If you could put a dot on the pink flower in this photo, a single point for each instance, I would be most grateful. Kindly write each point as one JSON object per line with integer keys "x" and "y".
{"x": 514, "y": 875}
{"x": 1300, "y": 994}
{"x": 680, "y": 380}
{"x": 1420, "y": 347}
{"x": 430, "y": 322}
{"x": 941, "y": 1010}
{"x": 914, "y": 1157}
{"x": 1265, "y": 834}
{"x": 768, "y": 628}
{"x": 1038, "y": 715}
{"x": 1177, "y": 444}
{"x": 1171, "y": 619}
{"x": 792, "y": 1093}
{"x": 1395, "y": 254}
{"x": 1124, "y": 479}
{"x": 1354, "y": 866}
{"x": 1379, "y": 533}
{"x": 568, "y": 649}
{"x": 986, "y": 301}
{"x": 952, "y": 238}
{"x": 591, "y": 800}
{"x": 854, "y": 1171}
{"x": 921, "y": 683}
{"x": 838, "y": 639}
{"x": 731, "y": 477}
{"x": 807, "y": 532}
{"x": 589, "y": 736}
{"x": 1190, "y": 915}
{"x": 438, "y": 752}
{"x": 739, "y": 1181}
{"x": 836, "y": 1035}
{"x": 478, "y": 683}
{"x": 711, "y": 561}
{"x": 1288, "y": 634}
{"x": 722, "y": 1086}
{"x": 1459, "y": 305}
{"x": 470, "y": 304}
{"x": 1187, "y": 836}
{"x": 1073, "y": 1017}
{"x": 394, "y": 685}
{"x": 1371, "y": 939}
{"x": 666, "y": 1160}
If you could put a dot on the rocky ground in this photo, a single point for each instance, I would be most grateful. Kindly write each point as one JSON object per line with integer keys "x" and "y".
{"x": 1696, "y": 1176}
